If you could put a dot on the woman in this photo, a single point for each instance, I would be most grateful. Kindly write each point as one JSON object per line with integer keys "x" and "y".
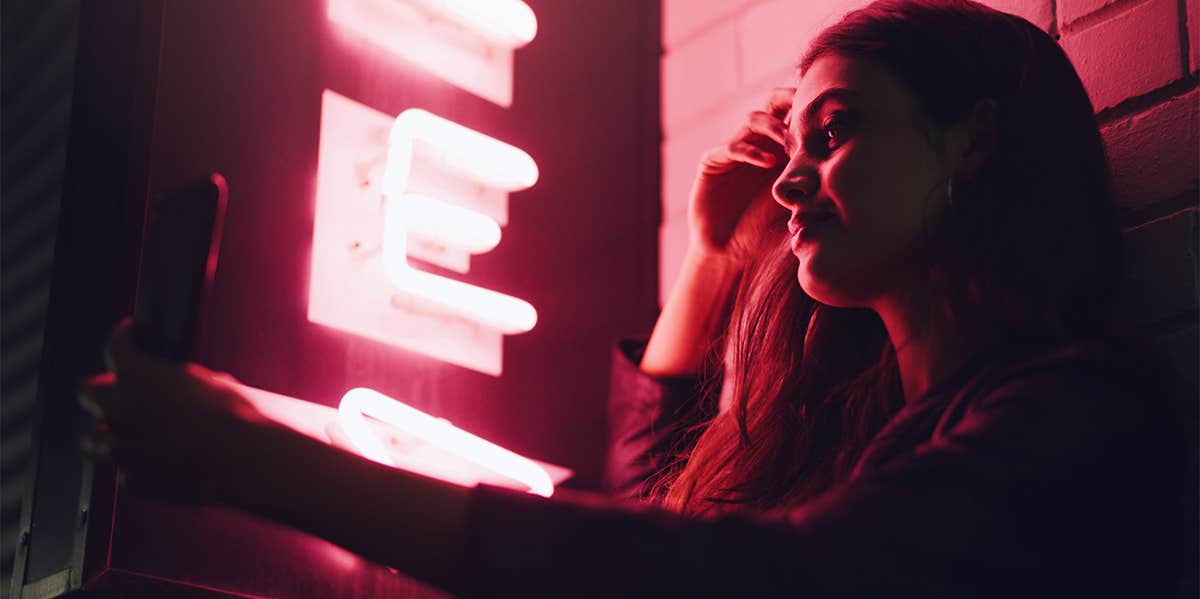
{"x": 937, "y": 406}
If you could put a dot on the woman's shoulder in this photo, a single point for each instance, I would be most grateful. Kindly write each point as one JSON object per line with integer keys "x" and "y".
{"x": 1097, "y": 367}
{"x": 1088, "y": 393}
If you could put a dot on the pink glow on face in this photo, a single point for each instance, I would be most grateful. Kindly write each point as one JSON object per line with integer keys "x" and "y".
{"x": 361, "y": 402}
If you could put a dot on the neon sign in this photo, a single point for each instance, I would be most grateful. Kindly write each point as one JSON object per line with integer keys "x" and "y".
{"x": 420, "y": 187}
{"x": 393, "y": 193}
{"x": 392, "y": 433}
{"x": 468, "y": 43}
{"x": 361, "y": 402}
{"x": 415, "y": 187}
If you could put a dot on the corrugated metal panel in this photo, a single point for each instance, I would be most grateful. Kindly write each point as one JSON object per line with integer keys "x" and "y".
{"x": 38, "y": 38}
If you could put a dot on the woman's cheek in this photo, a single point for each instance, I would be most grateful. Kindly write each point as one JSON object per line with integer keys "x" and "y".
{"x": 851, "y": 184}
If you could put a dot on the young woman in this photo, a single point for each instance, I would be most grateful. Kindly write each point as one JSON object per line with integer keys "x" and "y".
{"x": 921, "y": 391}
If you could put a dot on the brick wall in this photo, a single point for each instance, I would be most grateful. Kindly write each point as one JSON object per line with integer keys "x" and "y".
{"x": 1137, "y": 58}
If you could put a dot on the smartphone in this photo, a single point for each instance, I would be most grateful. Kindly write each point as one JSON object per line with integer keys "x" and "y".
{"x": 181, "y": 241}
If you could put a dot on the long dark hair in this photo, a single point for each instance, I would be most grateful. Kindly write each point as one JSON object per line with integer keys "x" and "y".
{"x": 1029, "y": 243}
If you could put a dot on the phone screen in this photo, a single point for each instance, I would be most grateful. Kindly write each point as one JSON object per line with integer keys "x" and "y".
{"x": 180, "y": 245}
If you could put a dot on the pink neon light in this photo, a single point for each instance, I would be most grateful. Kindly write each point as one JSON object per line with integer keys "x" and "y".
{"x": 360, "y": 402}
{"x": 452, "y": 147}
{"x": 508, "y": 23}
{"x": 448, "y": 146}
{"x": 441, "y": 37}
{"x": 447, "y": 224}
{"x": 504, "y": 313}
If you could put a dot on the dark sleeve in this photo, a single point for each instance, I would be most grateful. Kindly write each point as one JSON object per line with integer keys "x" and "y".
{"x": 650, "y": 420}
{"x": 1046, "y": 487}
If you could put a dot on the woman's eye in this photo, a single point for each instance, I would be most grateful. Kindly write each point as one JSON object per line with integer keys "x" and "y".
{"x": 834, "y": 131}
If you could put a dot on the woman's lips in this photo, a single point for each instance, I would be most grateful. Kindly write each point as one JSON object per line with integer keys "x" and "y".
{"x": 804, "y": 226}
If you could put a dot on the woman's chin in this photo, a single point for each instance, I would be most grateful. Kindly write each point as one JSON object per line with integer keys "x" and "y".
{"x": 824, "y": 287}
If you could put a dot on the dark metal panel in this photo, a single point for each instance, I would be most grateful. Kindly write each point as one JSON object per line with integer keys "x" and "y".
{"x": 103, "y": 192}
{"x": 38, "y": 49}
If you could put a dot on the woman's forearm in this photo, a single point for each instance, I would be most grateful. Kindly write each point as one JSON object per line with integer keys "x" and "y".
{"x": 397, "y": 518}
{"x": 694, "y": 316}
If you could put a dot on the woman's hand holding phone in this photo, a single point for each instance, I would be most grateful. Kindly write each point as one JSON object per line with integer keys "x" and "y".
{"x": 180, "y": 432}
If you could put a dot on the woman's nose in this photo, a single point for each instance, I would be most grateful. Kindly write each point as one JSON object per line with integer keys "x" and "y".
{"x": 796, "y": 183}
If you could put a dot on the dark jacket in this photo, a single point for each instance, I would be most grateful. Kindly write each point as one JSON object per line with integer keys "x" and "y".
{"x": 1035, "y": 471}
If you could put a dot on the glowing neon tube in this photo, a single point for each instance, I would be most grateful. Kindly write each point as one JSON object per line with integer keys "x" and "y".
{"x": 453, "y": 147}
{"x": 508, "y": 23}
{"x": 504, "y": 313}
{"x": 447, "y": 224}
{"x": 360, "y": 402}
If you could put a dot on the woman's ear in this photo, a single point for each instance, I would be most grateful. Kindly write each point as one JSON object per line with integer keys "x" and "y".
{"x": 981, "y": 130}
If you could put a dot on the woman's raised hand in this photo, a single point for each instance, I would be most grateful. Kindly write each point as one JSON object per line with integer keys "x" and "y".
{"x": 728, "y": 212}
{"x": 731, "y": 201}
{"x": 175, "y": 430}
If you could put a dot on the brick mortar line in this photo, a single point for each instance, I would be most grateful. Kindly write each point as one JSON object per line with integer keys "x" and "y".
{"x": 1185, "y": 41}
{"x": 1173, "y": 212}
{"x": 1099, "y": 15}
{"x": 1054, "y": 28}
{"x": 703, "y": 29}
{"x": 1138, "y": 104}
{"x": 682, "y": 127}
{"x": 1136, "y": 218}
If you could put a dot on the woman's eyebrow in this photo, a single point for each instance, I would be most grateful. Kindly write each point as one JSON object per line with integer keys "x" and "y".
{"x": 843, "y": 94}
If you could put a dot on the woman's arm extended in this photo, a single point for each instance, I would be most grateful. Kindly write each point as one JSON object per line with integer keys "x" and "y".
{"x": 693, "y": 317}
{"x": 185, "y": 434}
{"x": 389, "y": 516}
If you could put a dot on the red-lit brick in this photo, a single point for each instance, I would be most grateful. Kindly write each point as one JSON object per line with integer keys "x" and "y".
{"x": 698, "y": 75}
{"x": 1160, "y": 280}
{"x": 1193, "y": 28}
{"x": 1155, "y": 154}
{"x": 774, "y": 34}
{"x": 1037, "y": 12}
{"x": 682, "y": 150}
{"x": 1134, "y": 52}
{"x": 683, "y": 18}
{"x": 1071, "y": 10}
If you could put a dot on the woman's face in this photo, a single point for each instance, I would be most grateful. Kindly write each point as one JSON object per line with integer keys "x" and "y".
{"x": 863, "y": 181}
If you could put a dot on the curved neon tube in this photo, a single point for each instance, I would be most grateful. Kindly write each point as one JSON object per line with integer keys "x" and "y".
{"x": 508, "y": 23}
{"x": 504, "y": 313}
{"x": 464, "y": 151}
{"x": 448, "y": 224}
{"x": 360, "y": 402}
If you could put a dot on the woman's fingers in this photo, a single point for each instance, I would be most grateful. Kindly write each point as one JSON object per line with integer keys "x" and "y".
{"x": 767, "y": 125}
{"x": 780, "y": 101}
{"x": 761, "y": 139}
{"x": 749, "y": 153}
{"x": 97, "y": 444}
{"x": 97, "y": 395}
{"x": 121, "y": 353}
